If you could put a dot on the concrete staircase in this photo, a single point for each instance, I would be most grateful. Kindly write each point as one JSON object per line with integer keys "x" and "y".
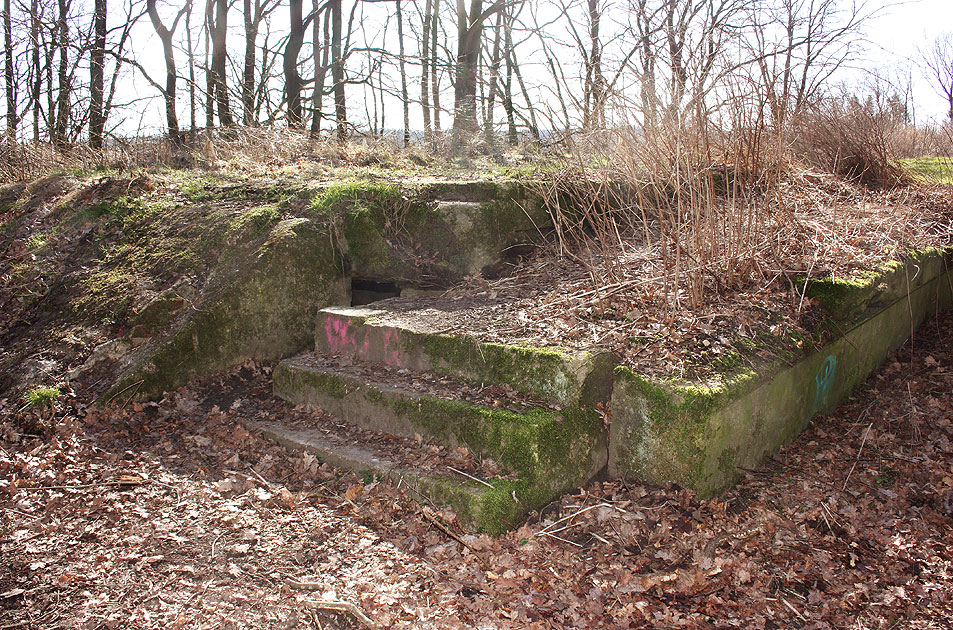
{"x": 535, "y": 413}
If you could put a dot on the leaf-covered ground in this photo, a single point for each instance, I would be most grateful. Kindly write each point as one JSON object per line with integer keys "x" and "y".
{"x": 172, "y": 515}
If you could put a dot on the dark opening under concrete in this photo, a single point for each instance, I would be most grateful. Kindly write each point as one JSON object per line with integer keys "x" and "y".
{"x": 367, "y": 291}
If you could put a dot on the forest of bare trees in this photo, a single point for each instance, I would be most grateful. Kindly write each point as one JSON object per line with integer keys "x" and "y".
{"x": 472, "y": 73}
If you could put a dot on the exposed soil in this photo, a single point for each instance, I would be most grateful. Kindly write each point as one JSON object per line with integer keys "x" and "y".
{"x": 171, "y": 515}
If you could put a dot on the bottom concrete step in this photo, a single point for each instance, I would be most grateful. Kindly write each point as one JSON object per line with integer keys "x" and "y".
{"x": 493, "y": 506}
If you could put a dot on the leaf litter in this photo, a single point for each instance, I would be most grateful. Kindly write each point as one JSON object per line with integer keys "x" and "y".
{"x": 172, "y": 515}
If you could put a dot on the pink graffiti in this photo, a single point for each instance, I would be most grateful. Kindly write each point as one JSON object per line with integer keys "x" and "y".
{"x": 343, "y": 339}
{"x": 338, "y": 335}
{"x": 392, "y": 356}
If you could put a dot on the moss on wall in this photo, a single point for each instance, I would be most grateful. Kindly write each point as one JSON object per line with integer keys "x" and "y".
{"x": 414, "y": 234}
{"x": 260, "y": 306}
{"x": 699, "y": 437}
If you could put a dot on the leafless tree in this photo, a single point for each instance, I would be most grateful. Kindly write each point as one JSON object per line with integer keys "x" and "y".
{"x": 469, "y": 45}
{"x": 938, "y": 63}
{"x": 9, "y": 78}
{"x": 293, "y": 83}
{"x": 171, "y": 76}
{"x": 97, "y": 62}
{"x": 254, "y": 13}
{"x": 797, "y": 45}
{"x": 216, "y": 12}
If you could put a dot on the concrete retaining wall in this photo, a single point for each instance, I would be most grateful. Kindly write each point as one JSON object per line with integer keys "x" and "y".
{"x": 699, "y": 437}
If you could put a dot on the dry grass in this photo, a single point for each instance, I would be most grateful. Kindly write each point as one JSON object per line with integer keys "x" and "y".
{"x": 686, "y": 213}
{"x": 244, "y": 149}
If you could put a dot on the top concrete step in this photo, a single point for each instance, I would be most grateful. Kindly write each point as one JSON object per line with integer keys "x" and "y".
{"x": 401, "y": 337}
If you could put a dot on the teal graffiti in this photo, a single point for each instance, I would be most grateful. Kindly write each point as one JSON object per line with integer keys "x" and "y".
{"x": 823, "y": 381}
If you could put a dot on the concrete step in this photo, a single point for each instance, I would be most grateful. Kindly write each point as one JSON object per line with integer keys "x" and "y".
{"x": 400, "y": 333}
{"x": 488, "y": 506}
{"x": 550, "y": 451}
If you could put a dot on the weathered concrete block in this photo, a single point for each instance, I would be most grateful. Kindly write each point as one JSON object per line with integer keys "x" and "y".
{"x": 378, "y": 336}
{"x": 549, "y": 452}
{"x": 489, "y": 509}
{"x": 429, "y": 233}
{"x": 560, "y": 449}
{"x": 259, "y": 305}
{"x": 700, "y": 436}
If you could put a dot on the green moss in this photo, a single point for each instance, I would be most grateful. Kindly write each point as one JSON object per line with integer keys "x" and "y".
{"x": 41, "y": 397}
{"x": 549, "y": 452}
{"x": 840, "y": 297}
{"x": 495, "y": 510}
{"x": 252, "y": 222}
{"x": 539, "y": 371}
{"x": 261, "y": 306}
{"x": 350, "y": 197}
{"x": 372, "y": 222}
{"x": 677, "y": 431}
{"x": 514, "y": 440}
{"x": 287, "y": 379}
{"x": 492, "y": 511}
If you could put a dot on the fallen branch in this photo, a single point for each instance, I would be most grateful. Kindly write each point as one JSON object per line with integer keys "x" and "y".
{"x": 549, "y": 527}
{"x": 859, "y": 451}
{"x": 335, "y": 605}
{"x": 446, "y": 530}
{"x": 460, "y": 472}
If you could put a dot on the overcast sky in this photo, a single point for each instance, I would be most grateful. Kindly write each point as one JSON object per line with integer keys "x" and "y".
{"x": 895, "y": 37}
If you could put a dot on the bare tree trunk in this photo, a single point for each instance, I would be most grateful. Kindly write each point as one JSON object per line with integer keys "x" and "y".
{"x": 168, "y": 93}
{"x": 434, "y": 67}
{"x": 37, "y": 82}
{"x": 403, "y": 74}
{"x": 218, "y": 27}
{"x": 594, "y": 88}
{"x": 337, "y": 71}
{"x": 469, "y": 45}
{"x": 469, "y": 40}
{"x": 248, "y": 71}
{"x": 190, "y": 50}
{"x": 320, "y": 67}
{"x": 292, "y": 77}
{"x": 533, "y": 126}
{"x": 209, "y": 74}
{"x": 425, "y": 71}
{"x": 9, "y": 79}
{"x": 494, "y": 78}
{"x": 49, "y": 62}
{"x": 97, "y": 60}
{"x": 63, "y": 77}
{"x": 511, "y": 134}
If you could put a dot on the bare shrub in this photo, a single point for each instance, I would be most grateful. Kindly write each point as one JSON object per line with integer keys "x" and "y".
{"x": 699, "y": 201}
{"x": 856, "y": 141}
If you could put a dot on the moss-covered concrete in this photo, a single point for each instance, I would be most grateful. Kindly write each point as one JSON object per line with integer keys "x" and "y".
{"x": 429, "y": 234}
{"x": 558, "y": 450}
{"x": 495, "y": 510}
{"x": 702, "y": 437}
{"x": 258, "y": 305}
{"x": 849, "y": 299}
{"x": 560, "y": 377}
{"x": 549, "y": 453}
{"x": 492, "y": 509}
